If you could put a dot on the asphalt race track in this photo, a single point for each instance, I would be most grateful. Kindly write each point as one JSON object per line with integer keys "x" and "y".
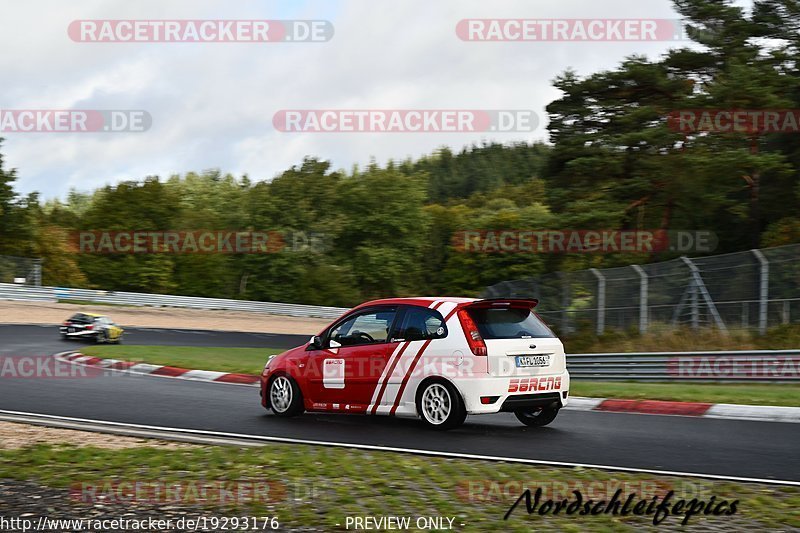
{"x": 766, "y": 450}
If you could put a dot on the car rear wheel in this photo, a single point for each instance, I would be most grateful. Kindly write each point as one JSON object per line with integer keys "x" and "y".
{"x": 440, "y": 406}
{"x": 284, "y": 396}
{"x": 537, "y": 417}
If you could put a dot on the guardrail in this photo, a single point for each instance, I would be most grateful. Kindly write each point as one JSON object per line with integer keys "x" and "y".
{"x": 752, "y": 365}
{"x": 23, "y": 292}
{"x": 9, "y": 291}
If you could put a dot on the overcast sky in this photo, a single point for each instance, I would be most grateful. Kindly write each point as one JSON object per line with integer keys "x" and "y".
{"x": 212, "y": 103}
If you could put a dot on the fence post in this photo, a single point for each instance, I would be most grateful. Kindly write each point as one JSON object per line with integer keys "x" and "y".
{"x": 601, "y": 300}
{"x": 745, "y": 315}
{"x": 37, "y": 272}
{"x": 699, "y": 288}
{"x": 565, "y": 301}
{"x": 763, "y": 294}
{"x": 643, "y": 290}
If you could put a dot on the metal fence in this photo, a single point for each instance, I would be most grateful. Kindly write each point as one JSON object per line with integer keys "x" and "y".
{"x": 742, "y": 366}
{"x": 22, "y": 292}
{"x": 21, "y": 270}
{"x": 745, "y": 290}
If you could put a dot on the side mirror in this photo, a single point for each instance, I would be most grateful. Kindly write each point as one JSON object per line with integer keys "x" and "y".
{"x": 315, "y": 343}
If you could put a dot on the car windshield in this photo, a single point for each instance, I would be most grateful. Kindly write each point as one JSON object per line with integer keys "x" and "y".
{"x": 509, "y": 323}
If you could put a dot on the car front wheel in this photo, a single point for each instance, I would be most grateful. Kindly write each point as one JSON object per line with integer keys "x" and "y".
{"x": 537, "y": 417}
{"x": 440, "y": 405}
{"x": 284, "y": 396}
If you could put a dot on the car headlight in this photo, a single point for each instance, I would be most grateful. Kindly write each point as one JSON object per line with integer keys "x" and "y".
{"x": 271, "y": 357}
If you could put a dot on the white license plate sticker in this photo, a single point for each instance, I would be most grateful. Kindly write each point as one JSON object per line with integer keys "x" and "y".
{"x": 532, "y": 360}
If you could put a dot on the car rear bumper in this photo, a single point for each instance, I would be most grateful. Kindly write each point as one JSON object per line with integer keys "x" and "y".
{"x": 78, "y": 334}
{"x": 495, "y": 394}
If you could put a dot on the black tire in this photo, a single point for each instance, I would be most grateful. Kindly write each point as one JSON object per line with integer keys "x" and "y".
{"x": 294, "y": 405}
{"x": 102, "y": 336}
{"x": 537, "y": 417}
{"x": 435, "y": 414}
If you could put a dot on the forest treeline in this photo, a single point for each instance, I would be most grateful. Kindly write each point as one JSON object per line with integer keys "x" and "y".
{"x": 612, "y": 162}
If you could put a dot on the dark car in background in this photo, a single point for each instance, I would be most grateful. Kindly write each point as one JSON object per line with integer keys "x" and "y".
{"x": 99, "y": 328}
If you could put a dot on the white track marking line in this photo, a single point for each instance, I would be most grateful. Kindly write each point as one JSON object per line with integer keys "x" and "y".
{"x": 578, "y": 403}
{"x": 203, "y": 375}
{"x": 143, "y": 368}
{"x": 754, "y": 412}
{"x": 433, "y": 453}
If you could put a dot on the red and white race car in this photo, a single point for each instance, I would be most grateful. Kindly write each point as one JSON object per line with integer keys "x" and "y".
{"x": 437, "y": 358}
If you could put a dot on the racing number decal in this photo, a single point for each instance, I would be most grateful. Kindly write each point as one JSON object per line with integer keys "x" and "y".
{"x": 333, "y": 374}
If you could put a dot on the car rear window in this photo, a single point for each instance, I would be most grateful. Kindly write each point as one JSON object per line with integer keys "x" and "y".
{"x": 509, "y": 323}
{"x": 80, "y": 318}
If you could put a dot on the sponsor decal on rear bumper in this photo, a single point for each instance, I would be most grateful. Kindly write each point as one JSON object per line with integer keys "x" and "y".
{"x": 534, "y": 384}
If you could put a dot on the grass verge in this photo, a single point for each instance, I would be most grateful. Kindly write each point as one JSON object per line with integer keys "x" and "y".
{"x": 318, "y": 487}
{"x": 237, "y": 360}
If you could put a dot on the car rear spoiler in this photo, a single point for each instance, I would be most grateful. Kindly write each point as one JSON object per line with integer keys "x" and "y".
{"x": 530, "y": 303}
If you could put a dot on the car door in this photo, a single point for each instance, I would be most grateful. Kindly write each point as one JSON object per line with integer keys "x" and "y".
{"x": 99, "y": 325}
{"x": 344, "y": 373}
{"x": 418, "y": 329}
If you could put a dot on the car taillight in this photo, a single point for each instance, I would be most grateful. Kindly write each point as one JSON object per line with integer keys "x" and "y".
{"x": 66, "y": 324}
{"x": 90, "y": 326}
{"x": 474, "y": 338}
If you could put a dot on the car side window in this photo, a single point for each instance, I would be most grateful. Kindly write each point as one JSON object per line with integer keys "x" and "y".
{"x": 421, "y": 323}
{"x": 368, "y": 327}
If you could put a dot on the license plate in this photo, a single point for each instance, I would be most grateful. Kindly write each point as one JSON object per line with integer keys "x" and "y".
{"x": 532, "y": 360}
{"x": 71, "y": 330}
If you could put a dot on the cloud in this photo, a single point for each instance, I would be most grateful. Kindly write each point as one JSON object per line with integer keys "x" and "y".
{"x": 212, "y": 104}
